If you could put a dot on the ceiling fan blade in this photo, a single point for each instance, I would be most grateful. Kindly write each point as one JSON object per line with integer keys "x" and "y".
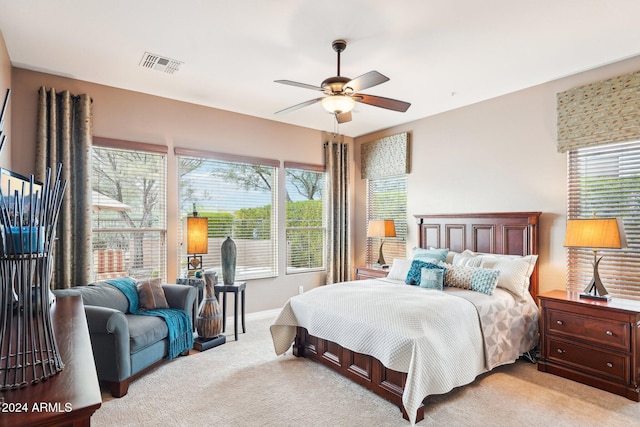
{"x": 379, "y": 101}
{"x": 302, "y": 85}
{"x": 365, "y": 81}
{"x": 298, "y": 106}
{"x": 343, "y": 117}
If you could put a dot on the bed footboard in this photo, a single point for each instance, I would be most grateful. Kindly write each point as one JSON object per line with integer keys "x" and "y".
{"x": 360, "y": 368}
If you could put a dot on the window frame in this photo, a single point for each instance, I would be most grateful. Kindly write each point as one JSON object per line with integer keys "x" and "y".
{"x": 599, "y": 179}
{"x": 211, "y": 156}
{"x": 394, "y": 247}
{"x": 323, "y": 227}
{"x": 109, "y": 257}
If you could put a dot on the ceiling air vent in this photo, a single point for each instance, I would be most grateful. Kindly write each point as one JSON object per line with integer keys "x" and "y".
{"x": 159, "y": 63}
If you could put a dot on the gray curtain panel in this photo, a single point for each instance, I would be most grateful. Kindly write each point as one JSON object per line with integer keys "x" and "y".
{"x": 65, "y": 136}
{"x": 336, "y": 156}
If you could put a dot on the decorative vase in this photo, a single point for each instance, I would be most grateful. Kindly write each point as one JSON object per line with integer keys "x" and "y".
{"x": 209, "y": 318}
{"x": 228, "y": 256}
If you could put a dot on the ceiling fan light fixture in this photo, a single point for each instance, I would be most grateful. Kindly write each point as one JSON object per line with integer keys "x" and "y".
{"x": 337, "y": 104}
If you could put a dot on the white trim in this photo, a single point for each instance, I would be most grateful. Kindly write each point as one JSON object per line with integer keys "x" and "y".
{"x": 259, "y": 315}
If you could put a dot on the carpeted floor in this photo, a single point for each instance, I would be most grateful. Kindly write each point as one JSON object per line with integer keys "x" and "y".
{"x": 245, "y": 384}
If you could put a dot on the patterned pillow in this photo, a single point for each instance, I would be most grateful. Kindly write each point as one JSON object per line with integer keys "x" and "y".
{"x": 484, "y": 280}
{"x": 151, "y": 294}
{"x": 474, "y": 278}
{"x": 458, "y": 276}
{"x": 415, "y": 272}
{"x": 432, "y": 278}
{"x": 515, "y": 272}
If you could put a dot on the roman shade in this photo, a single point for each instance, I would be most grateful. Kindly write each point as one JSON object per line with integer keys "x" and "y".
{"x": 388, "y": 156}
{"x": 604, "y": 112}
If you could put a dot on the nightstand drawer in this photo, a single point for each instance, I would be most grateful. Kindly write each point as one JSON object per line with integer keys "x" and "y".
{"x": 604, "y": 364}
{"x": 597, "y": 330}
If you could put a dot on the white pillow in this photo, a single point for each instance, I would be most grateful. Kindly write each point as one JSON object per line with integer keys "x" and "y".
{"x": 468, "y": 259}
{"x": 399, "y": 269}
{"x": 515, "y": 272}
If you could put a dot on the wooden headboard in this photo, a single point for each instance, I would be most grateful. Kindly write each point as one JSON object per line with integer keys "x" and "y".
{"x": 507, "y": 233}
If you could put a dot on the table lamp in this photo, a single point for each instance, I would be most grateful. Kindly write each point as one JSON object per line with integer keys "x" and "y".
{"x": 197, "y": 239}
{"x": 381, "y": 228}
{"x": 595, "y": 233}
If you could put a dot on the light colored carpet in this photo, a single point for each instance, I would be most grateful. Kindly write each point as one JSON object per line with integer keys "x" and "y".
{"x": 245, "y": 384}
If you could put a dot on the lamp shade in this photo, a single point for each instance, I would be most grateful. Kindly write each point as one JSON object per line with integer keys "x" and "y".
{"x": 381, "y": 228}
{"x": 595, "y": 233}
{"x": 197, "y": 235}
{"x": 338, "y": 103}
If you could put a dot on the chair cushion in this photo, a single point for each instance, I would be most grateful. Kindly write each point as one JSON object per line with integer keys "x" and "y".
{"x": 145, "y": 330}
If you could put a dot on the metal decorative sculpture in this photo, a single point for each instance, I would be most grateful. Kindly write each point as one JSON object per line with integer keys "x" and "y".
{"x": 28, "y": 216}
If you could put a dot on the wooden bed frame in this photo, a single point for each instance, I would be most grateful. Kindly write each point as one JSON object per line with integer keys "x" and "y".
{"x": 509, "y": 233}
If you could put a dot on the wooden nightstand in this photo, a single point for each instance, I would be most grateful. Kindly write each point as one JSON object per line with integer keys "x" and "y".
{"x": 370, "y": 272}
{"x": 592, "y": 342}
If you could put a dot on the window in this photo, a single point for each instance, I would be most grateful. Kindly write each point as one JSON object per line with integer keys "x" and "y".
{"x": 129, "y": 203}
{"x": 605, "y": 180}
{"x": 387, "y": 199}
{"x": 238, "y": 195}
{"x": 305, "y": 227}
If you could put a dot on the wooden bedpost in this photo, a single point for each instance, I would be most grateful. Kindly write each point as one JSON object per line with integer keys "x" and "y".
{"x": 298, "y": 344}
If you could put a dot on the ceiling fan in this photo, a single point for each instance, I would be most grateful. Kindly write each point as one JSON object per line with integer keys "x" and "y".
{"x": 342, "y": 93}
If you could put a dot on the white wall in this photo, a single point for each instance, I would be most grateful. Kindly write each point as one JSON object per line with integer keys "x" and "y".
{"x": 497, "y": 155}
{"x": 133, "y": 116}
{"x": 494, "y": 156}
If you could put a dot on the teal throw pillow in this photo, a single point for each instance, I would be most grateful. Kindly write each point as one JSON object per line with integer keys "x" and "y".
{"x": 415, "y": 272}
{"x": 432, "y": 255}
{"x": 484, "y": 280}
{"x": 432, "y": 278}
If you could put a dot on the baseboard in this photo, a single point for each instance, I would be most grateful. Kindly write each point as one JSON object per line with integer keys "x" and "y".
{"x": 259, "y": 315}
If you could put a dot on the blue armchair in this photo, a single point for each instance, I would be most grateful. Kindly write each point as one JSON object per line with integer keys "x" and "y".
{"x": 125, "y": 345}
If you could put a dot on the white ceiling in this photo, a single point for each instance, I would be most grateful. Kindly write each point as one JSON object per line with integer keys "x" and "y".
{"x": 439, "y": 54}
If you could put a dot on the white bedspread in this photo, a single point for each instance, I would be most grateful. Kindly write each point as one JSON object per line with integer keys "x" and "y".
{"x": 435, "y": 337}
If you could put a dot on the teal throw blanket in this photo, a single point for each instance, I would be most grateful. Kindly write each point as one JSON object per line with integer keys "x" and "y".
{"x": 178, "y": 321}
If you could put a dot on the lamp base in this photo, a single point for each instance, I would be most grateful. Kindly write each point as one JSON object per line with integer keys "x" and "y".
{"x": 596, "y": 297}
{"x": 381, "y": 262}
{"x": 596, "y": 290}
{"x": 194, "y": 262}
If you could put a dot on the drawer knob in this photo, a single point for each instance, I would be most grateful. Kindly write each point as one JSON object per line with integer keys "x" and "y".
{"x": 609, "y": 365}
{"x": 609, "y": 333}
{"x": 559, "y": 322}
{"x": 560, "y": 351}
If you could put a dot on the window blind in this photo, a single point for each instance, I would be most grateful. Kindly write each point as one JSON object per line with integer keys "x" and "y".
{"x": 305, "y": 225}
{"x": 239, "y": 198}
{"x": 129, "y": 221}
{"x": 605, "y": 180}
{"x": 387, "y": 199}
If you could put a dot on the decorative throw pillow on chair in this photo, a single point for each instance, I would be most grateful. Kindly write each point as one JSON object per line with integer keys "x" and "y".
{"x": 150, "y": 294}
